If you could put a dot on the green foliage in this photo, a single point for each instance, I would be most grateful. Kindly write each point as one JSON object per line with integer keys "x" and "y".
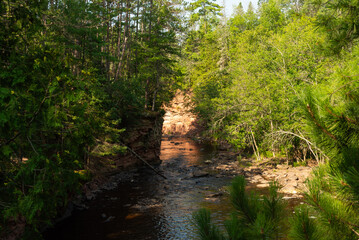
{"x": 272, "y": 15}
{"x": 298, "y": 164}
{"x": 245, "y": 204}
{"x": 336, "y": 102}
{"x": 206, "y": 230}
{"x": 339, "y": 20}
{"x": 234, "y": 228}
{"x": 72, "y": 76}
{"x": 303, "y": 226}
{"x": 255, "y": 217}
{"x": 331, "y": 111}
{"x": 107, "y": 149}
{"x": 50, "y": 188}
{"x": 282, "y": 90}
{"x": 248, "y": 73}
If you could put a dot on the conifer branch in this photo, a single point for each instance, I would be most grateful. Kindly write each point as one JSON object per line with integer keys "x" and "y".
{"x": 344, "y": 86}
{"x": 31, "y": 120}
{"x": 334, "y": 217}
{"x": 318, "y": 125}
{"x": 354, "y": 231}
{"x": 341, "y": 117}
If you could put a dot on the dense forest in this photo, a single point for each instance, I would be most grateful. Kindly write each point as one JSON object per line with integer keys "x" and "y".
{"x": 278, "y": 80}
{"x": 282, "y": 80}
{"x": 73, "y": 74}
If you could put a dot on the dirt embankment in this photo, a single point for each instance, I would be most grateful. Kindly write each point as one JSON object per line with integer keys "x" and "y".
{"x": 291, "y": 179}
{"x": 260, "y": 173}
{"x": 179, "y": 119}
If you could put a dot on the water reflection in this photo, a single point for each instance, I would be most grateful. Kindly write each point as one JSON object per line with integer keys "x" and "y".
{"x": 186, "y": 194}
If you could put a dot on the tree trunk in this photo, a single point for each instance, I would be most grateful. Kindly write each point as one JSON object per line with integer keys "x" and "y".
{"x": 125, "y": 42}
{"x": 155, "y": 92}
{"x": 146, "y": 92}
{"x": 255, "y": 147}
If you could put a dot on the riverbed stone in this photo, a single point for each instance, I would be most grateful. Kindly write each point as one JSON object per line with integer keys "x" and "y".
{"x": 282, "y": 166}
{"x": 110, "y": 218}
{"x": 199, "y": 173}
{"x": 90, "y": 196}
{"x": 263, "y": 185}
{"x": 214, "y": 195}
{"x": 211, "y": 199}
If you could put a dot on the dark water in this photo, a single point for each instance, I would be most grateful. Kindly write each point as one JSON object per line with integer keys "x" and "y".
{"x": 147, "y": 206}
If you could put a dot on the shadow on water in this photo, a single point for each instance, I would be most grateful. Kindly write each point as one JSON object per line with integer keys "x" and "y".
{"x": 147, "y": 206}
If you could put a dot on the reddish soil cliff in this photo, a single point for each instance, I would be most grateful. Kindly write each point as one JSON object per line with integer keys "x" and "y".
{"x": 179, "y": 119}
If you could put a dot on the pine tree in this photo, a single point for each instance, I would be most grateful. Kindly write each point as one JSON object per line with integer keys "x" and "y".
{"x": 255, "y": 217}
{"x": 333, "y": 191}
{"x": 339, "y": 19}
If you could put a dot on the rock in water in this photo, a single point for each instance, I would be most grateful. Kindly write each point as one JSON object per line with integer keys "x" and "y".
{"x": 199, "y": 173}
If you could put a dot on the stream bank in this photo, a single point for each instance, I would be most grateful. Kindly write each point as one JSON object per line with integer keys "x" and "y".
{"x": 138, "y": 204}
{"x": 142, "y": 205}
{"x": 180, "y": 120}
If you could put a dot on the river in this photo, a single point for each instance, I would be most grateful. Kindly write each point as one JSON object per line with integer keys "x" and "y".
{"x": 146, "y": 206}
